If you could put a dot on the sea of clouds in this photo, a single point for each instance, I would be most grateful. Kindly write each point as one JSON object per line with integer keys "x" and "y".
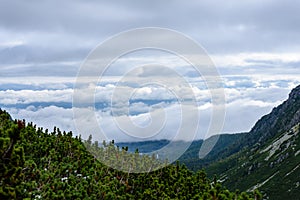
{"x": 253, "y": 85}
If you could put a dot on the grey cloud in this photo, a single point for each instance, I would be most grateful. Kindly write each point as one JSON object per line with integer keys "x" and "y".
{"x": 55, "y": 69}
{"x": 61, "y": 16}
{"x": 51, "y": 38}
{"x": 220, "y": 26}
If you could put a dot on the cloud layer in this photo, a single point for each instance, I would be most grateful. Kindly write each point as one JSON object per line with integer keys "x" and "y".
{"x": 255, "y": 46}
{"x": 247, "y": 99}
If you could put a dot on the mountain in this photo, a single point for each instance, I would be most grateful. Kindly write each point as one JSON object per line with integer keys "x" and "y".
{"x": 190, "y": 157}
{"x": 272, "y": 167}
{"x": 281, "y": 119}
{"x": 267, "y": 157}
{"x": 220, "y": 150}
{"x": 35, "y": 163}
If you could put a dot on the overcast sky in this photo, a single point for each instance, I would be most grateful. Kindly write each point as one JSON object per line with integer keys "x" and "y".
{"x": 52, "y": 31}
{"x": 255, "y": 45}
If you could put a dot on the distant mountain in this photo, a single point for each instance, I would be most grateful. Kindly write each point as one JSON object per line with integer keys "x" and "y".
{"x": 144, "y": 146}
{"x": 190, "y": 157}
{"x": 221, "y": 149}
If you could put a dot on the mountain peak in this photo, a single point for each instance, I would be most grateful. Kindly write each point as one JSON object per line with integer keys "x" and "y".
{"x": 295, "y": 93}
{"x": 268, "y": 156}
{"x": 281, "y": 119}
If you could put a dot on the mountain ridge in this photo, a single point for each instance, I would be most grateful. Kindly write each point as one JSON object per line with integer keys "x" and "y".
{"x": 261, "y": 158}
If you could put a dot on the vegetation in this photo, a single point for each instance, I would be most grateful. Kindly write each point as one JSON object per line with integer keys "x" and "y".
{"x": 37, "y": 164}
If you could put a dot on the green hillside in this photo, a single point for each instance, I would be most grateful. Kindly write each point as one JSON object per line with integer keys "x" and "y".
{"x": 273, "y": 168}
{"x": 38, "y": 164}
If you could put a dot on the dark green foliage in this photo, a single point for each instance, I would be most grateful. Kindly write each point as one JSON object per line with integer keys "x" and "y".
{"x": 35, "y": 164}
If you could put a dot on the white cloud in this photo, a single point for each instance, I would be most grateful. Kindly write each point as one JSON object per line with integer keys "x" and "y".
{"x": 46, "y": 117}
{"x": 243, "y": 108}
{"x": 241, "y": 115}
{"x": 42, "y": 47}
{"x": 247, "y": 99}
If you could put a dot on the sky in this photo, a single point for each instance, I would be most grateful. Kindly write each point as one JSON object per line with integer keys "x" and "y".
{"x": 255, "y": 46}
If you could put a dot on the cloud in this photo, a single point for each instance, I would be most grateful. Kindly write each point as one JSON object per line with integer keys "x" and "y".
{"x": 46, "y": 117}
{"x": 255, "y": 46}
{"x": 62, "y": 117}
{"x": 244, "y": 106}
{"x": 45, "y": 32}
{"x": 30, "y": 96}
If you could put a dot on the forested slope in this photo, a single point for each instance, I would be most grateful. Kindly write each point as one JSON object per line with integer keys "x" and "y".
{"x": 37, "y": 164}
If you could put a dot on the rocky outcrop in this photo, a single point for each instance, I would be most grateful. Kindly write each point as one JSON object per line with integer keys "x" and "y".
{"x": 281, "y": 119}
